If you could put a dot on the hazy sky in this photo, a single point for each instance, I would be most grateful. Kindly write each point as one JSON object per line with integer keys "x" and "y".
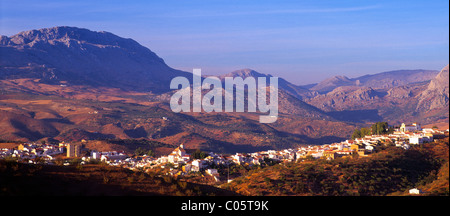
{"x": 302, "y": 41}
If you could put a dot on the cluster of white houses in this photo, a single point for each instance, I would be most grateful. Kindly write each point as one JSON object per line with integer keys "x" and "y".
{"x": 404, "y": 137}
{"x": 361, "y": 146}
{"x": 27, "y": 152}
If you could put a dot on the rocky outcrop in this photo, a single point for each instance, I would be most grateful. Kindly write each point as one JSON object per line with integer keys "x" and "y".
{"x": 436, "y": 96}
{"x": 399, "y": 92}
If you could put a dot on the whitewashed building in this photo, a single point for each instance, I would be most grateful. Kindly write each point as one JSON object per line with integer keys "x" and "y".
{"x": 415, "y": 191}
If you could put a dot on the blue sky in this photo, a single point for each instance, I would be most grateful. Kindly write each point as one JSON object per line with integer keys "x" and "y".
{"x": 302, "y": 41}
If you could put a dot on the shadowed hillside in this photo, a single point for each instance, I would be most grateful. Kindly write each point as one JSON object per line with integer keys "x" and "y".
{"x": 19, "y": 179}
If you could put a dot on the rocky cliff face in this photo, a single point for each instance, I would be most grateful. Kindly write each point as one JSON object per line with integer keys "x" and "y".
{"x": 81, "y": 56}
{"x": 436, "y": 96}
{"x": 344, "y": 97}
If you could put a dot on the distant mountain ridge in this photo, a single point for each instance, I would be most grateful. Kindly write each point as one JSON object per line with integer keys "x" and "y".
{"x": 294, "y": 90}
{"x": 55, "y": 54}
{"x": 331, "y": 83}
{"x": 81, "y": 56}
{"x": 381, "y": 80}
{"x": 409, "y": 99}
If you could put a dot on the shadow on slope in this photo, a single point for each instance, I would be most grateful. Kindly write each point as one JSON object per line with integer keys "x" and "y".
{"x": 357, "y": 116}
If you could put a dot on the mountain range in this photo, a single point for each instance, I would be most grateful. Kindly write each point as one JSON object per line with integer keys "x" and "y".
{"x": 420, "y": 98}
{"x": 382, "y": 80}
{"x": 69, "y": 83}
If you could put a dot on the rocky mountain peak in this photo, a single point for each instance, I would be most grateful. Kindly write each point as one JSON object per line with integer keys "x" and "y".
{"x": 244, "y": 73}
{"x": 441, "y": 81}
{"x": 64, "y": 33}
{"x": 436, "y": 96}
{"x": 331, "y": 83}
{"x": 82, "y": 56}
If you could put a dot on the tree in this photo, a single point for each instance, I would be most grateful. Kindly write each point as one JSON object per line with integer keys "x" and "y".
{"x": 380, "y": 128}
{"x": 198, "y": 154}
{"x": 151, "y": 153}
{"x": 141, "y": 151}
{"x": 356, "y": 134}
{"x": 365, "y": 132}
{"x": 361, "y": 133}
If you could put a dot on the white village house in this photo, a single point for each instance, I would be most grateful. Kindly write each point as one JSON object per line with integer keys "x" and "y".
{"x": 413, "y": 127}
